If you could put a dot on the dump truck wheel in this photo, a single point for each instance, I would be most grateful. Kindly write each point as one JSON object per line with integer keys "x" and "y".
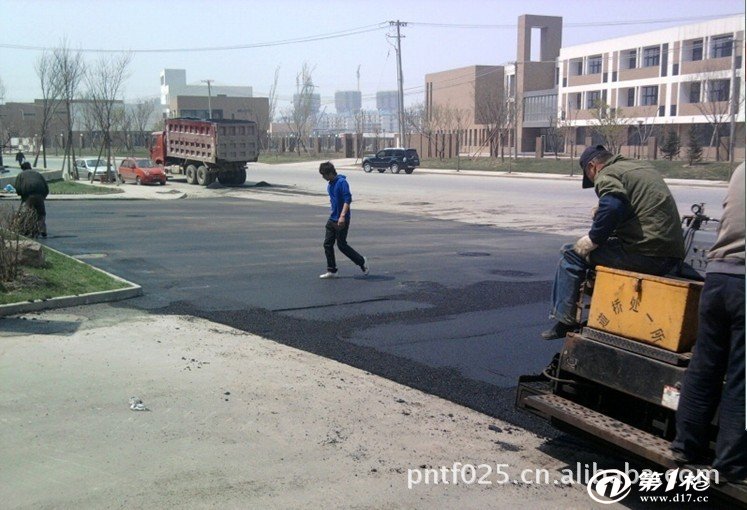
{"x": 202, "y": 177}
{"x": 191, "y": 174}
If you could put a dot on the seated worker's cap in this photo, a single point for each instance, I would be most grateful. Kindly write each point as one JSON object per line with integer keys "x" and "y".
{"x": 589, "y": 154}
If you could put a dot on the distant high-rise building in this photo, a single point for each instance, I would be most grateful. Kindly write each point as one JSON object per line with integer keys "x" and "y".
{"x": 347, "y": 101}
{"x": 311, "y": 101}
{"x": 386, "y": 100}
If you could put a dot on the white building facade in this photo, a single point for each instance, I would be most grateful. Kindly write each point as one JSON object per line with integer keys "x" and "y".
{"x": 659, "y": 81}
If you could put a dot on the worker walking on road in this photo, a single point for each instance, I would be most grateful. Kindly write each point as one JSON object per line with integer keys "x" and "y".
{"x": 338, "y": 224}
{"x": 715, "y": 377}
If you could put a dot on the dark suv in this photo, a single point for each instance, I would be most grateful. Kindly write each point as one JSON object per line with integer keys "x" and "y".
{"x": 395, "y": 160}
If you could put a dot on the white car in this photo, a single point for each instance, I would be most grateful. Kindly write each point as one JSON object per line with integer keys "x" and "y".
{"x": 87, "y": 166}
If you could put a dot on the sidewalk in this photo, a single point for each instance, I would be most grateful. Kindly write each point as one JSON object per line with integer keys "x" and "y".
{"x": 236, "y": 421}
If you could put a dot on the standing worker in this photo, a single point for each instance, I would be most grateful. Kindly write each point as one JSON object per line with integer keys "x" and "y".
{"x": 20, "y": 158}
{"x": 338, "y": 223}
{"x": 33, "y": 189}
{"x": 715, "y": 377}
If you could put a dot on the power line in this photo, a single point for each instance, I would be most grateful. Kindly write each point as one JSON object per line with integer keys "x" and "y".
{"x": 577, "y": 25}
{"x": 362, "y": 30}
{"x": 282, "y": 42}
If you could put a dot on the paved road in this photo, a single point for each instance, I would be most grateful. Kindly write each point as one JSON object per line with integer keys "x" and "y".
{"x": 450, "y": 308}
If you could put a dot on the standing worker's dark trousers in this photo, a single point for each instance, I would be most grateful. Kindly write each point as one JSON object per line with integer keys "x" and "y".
{"x": 35, "y": 203}
{"x": 719, "y": 353}
{"x": 333, "y": 233}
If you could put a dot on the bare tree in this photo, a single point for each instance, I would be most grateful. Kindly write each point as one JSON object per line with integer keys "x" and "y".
{"x": 105, "y": 81}
{"x": 453, "y": 121}
{"x": 716, "y": 106}
{"x": 442, "y": 118}
{"x": 70, "y": 67}
{"x": 492, "y": 113}
{"x": 51, "y": 92}
{"x": 301, "y": 117}
{"x": 359, "y": 118}
{"x": 142, "y": 116}
{"x": 88, "y": 120}
{"x": 459, "y": 119}
{"x": 611, "y": 125}
{"x": 413, "y": 118}
{"x": 425, "y": 122}
{"x": 272, "y": 98}
{"x": 124, "y": 125}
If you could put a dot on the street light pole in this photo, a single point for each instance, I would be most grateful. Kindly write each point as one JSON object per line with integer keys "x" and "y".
{"x": 210, "y": 109}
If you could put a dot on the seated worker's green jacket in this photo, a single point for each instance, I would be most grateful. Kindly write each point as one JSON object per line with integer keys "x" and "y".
{"x": 652, "y": 226}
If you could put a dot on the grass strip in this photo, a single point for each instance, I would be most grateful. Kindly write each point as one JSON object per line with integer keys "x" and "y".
{"x": 62, "y": 187}
{"x": 60, "y": 276}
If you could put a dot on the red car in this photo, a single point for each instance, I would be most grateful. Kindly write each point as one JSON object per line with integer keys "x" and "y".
{"x": 141, "y": 171}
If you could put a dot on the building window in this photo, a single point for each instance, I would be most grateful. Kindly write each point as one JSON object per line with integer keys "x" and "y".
{"x": 574, "y": 101}
{"x": 718, "y": 90}
{"x": 696, "y": 50}
{"x": 632, "y": 58}
{"x": 631, "y": 97}
{"x": 592, "y": 98}
{"x": 579, "y": 67}
{"x": 651, "y": 56}
{"x": 721, "y": 46}
{"x": 694, "y": 94}
{"x": 594, "y": 64}
{"x": 649, "y": 95}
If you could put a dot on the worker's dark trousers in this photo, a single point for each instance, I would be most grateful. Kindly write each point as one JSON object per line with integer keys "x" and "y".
{"x": 333, "y": 233}
{"x": 572, "y": 269}
{"x": 36, "y": 204}
{"x": 718, "y": 357}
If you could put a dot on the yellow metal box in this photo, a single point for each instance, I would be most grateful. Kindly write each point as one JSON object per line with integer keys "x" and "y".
{"x": 652, "y": 309}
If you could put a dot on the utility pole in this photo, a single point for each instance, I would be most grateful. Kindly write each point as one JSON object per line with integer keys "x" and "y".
{"x": 210, "y": 109}
{"x": 733, "y": 100}
{"x": 401, "y": 94}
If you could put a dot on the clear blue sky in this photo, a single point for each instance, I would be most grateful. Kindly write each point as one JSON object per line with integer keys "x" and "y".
{"x": 189, "y": 24}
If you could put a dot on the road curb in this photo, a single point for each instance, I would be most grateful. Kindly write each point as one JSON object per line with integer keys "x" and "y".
{"x": 90, "y": 298}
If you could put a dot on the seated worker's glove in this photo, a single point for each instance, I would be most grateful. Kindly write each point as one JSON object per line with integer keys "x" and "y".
{"x": 584, "y": 247}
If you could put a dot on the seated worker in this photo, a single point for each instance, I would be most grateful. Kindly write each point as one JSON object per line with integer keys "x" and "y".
{"x": 636, "y": 227}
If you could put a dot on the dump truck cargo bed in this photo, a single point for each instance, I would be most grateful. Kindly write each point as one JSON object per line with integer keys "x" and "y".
{"x": 213, "y": 141}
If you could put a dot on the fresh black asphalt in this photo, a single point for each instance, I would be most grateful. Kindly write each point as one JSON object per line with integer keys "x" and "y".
{"x": 452, "y": 309}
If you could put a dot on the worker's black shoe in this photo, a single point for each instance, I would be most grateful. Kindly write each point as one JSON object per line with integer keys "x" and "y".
{"x": 559, "y": 330}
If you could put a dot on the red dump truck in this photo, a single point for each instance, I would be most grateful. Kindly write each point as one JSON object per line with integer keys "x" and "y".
{"x": 206, "y": 150}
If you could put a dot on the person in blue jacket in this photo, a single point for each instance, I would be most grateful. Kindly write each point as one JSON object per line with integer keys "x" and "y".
{"x": 338, "y": 224}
